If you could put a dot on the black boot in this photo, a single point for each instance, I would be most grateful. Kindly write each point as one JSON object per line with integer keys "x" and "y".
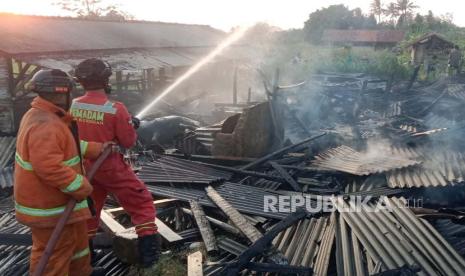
{"x": 149, "y": 249}
{"x": 98, "y": 271}
{"x": 93, "y": 254}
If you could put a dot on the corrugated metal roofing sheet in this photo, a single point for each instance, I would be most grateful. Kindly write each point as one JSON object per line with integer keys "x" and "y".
{"x": 14, "y": 260}
{"x": 440, "y": 168}
{"x": 119, "y": 60}
{"x": 246, "y": 199}
{"x": 7, "y": 150}
{"x": 308, "y": 243}
{"x": 6, "y": 177}
{"x": 396, "y": 237}
{"x": 25, "y": 34}
{"x": 346, "y": 159}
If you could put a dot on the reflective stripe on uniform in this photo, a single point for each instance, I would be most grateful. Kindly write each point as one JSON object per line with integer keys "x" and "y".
{"x": 146, "y": 226}
{"x": 72, "y": 162}
{"x": 28, "y": 166}
{"x": 106, "y": 108}
{"x": 76, "y": 184}
{"x": 35, "y": 212}
{"x": 83, "y": 144}
{"x": 23, "y": 164}
{"x": 80, "y": 254}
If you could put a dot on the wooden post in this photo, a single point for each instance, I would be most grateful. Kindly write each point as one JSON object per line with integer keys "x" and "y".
{"x": 235, "y": 87}
{"x": 119, "y": 80}
{"x": 11, "y": 78}
{"x": 150, "y": 80}
{"x": 11, "y": 91}
{"x": 194, "y": 264}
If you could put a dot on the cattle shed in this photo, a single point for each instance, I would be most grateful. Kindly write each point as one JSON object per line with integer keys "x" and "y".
{"x": 144, "y": 56}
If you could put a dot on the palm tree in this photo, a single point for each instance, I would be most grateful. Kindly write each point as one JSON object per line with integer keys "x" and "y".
{"x": 405, "y": 7}
{"x": 391, "y": 11}
{"x": 376, "y": 8}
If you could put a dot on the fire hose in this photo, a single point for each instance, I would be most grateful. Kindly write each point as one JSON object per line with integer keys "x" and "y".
{"x": 65, "y": 216}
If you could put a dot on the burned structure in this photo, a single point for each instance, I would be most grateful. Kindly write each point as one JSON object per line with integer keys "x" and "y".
{"x": 332, "y": 137}
{"x": 377, "y": 39}
{"x": 145, "y": 60}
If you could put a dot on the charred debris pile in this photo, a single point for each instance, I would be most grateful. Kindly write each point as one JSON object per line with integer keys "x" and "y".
{"x": 337, "y": 137}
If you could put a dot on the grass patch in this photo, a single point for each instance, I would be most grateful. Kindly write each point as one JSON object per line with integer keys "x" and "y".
{"x": 168, "y": 265}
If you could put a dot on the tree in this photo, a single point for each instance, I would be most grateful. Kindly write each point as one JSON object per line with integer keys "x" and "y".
{"x": 93, "y": 9}
{"x": 335, "y": 17}
{"x": 392, "y": 12}
{"x": 405, "y": 9}
{"x": 376, "y": 8}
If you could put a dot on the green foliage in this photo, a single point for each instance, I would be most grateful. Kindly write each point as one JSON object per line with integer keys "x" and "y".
{"x": 336, "y": 17}
{"x": 383, "y": 64}
{"x": 93, "y": 9}
{"x": 297, "y": 61}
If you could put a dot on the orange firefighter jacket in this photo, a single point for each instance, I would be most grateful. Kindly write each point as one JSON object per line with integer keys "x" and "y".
{"x": 48, "y": 167}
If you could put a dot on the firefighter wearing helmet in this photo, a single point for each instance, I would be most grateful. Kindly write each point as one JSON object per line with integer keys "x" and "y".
{"x": 48, "y": 172}
{"x": 101, "y": 120}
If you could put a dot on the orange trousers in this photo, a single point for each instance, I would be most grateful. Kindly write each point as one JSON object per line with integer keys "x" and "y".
{"x": 71, "y": 255}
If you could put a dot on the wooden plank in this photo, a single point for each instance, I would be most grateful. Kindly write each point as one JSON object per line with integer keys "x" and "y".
{"x": 158, "y": 203}
{"x": 194, "y": 264}
{"x": 166, "y": 232}
{"x": 204, "y": 226}
{"x": 163, "y": 230}
{"x": 111, "y": 226}
{"x": 237, "y": 218}
{"x": 11, "y": 79}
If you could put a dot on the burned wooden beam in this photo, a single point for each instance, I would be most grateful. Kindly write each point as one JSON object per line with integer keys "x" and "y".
{"x": 204, "y": 227}
{"x": 239, "y": 220}
{"x": 225, "y": 226}
{"x": 276, "y": 268}
{"x": 280, "y": 152}
{"x": 286, "y": 176}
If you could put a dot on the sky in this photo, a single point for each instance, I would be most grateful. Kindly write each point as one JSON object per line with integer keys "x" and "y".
{"x": 225, "y": 14}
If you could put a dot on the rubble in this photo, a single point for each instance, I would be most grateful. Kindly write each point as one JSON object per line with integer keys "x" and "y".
{"x": 361, "y": 140}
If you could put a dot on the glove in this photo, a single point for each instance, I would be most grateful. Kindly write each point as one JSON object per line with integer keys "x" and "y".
{"x": 135, "y": 122}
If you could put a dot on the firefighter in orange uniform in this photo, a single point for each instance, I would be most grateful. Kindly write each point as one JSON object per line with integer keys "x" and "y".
{"x": 48, "y": 172}
{"x": 102, "y": 120}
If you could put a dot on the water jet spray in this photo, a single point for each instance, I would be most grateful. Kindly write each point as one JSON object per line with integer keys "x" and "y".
{"x": 235, "y": 36}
